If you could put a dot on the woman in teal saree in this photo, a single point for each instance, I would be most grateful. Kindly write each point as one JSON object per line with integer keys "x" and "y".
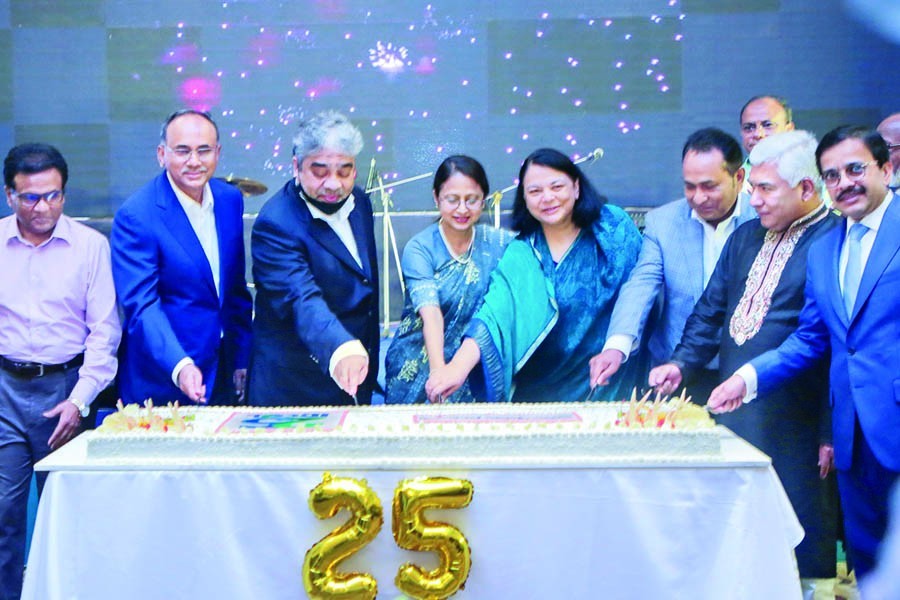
{"x": 550, "y": 298}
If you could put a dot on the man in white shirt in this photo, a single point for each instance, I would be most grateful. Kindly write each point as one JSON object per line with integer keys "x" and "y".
{"x": 178, "y": 264}
{"x": 316, "y": 336}
{"x": 682, "y": 242}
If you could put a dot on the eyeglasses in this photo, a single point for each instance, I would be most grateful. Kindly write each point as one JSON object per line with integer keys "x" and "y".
{"x": 471, "y": 201}
{"x": 184, "y": 153}
{"x": 892, "y": 147}
{"x": 854, "y": 172}
{"x": 768, "y": 126}
{"x": 30, "y": 200}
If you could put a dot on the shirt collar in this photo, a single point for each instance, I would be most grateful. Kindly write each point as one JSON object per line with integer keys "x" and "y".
{"x": 874, "y": 218}
{"x": 188, "y": 203}
{"x": 726, "y": 221}
{"x": 62, "y": 231}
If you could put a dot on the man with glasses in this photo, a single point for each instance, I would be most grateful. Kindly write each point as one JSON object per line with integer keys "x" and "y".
{"x": 316, "y": 336}
{"x": 850, "y": 311}
{"x": 751, "y": 304}
{"x": 682, "y": 242}
{"x": 178, "y": 262}
{"x": 58, "y": 334}
{"x": 890, "y": 131}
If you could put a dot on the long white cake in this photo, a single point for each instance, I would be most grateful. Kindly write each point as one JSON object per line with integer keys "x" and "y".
{"x": 461, "y": 434}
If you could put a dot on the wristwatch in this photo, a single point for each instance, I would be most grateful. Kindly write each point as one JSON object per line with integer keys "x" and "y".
{"x": 83, "y": 408}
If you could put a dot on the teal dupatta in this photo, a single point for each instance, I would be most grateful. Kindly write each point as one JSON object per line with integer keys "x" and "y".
{"x": 520, "y": 308}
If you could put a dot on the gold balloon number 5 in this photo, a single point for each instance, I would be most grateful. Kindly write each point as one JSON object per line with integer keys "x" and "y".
{"x": 414, "y": 532}
{"x": 411, "y": 531}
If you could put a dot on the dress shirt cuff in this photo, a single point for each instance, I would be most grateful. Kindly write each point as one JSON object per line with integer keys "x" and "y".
{"x": 351, "y": 348}
{"x": 622, "y": 342}
{"x": 187, "y": 360}
{"x": 85, "y": 391}
{"x": 748, "y": 374}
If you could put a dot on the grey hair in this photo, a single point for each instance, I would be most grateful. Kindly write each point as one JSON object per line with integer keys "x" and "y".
{"x": 327, "y": 130}
{"x": 794, "y": 154}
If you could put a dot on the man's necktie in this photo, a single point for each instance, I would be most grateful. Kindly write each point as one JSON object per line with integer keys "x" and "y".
{"x": 853, "y": 272}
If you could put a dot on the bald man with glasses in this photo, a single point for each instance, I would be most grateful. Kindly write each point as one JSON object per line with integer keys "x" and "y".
{"x": 178, "y": 263}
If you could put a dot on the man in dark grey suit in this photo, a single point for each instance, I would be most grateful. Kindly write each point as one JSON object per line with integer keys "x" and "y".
{"x": 316, "y": 274}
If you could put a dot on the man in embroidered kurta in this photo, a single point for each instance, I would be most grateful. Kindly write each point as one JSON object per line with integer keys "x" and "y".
{"x": 752, "y": 304}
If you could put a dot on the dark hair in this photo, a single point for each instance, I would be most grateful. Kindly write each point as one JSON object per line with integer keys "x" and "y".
{"x": 181, "y": 113}
{"x": 587, "y": 204}
{"x": 466, "y": 165}
{"x": 33, "y": 158}
{"x": 788, "y": 113}
{"x": 712, "y": 138}
{"x": 871, "y": 138}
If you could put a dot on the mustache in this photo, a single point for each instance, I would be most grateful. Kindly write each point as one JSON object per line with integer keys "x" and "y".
{"x": 202, "y": 169}
{"x": 856, "y": 189}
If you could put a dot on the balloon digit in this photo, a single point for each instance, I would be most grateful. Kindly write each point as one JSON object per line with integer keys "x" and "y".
{"x": 320, "y": 577}
{"x": 414, "y": 532}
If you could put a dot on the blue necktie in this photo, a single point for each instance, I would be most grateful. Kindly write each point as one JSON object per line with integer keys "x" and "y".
{"x": 853, "y": 272}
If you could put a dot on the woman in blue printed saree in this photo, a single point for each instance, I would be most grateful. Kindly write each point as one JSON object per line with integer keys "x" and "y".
{"x": 550, "y": 297}
{"x": 447, "y": 269}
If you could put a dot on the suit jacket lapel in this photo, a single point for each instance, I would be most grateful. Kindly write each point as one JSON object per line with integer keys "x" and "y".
{"x": 887, "y": 243}
{"x": 835, "y": 297}
{"x": 362, "y": 240}
{"x": 177, "y": 222}
{"x": 223, "y": 238}
{"x": 691, "y": 234}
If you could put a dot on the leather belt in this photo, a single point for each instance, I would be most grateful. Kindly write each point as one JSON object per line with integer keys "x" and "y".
{"x": 30, "y": 370}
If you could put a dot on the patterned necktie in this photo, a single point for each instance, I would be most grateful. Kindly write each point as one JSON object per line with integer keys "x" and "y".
{"x": 853, "y": 272}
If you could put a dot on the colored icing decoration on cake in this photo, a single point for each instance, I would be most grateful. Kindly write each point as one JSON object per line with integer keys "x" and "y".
{"x": 467, "y": 435}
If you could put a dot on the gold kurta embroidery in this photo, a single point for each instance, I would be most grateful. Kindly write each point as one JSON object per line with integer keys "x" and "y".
{"x": 765, "y": 273}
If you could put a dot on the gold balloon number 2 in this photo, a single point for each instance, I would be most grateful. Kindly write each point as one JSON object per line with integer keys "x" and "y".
{"x": 411, "y": 529}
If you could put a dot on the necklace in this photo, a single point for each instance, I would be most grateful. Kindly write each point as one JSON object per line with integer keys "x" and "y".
{"x": 466, "y": 256}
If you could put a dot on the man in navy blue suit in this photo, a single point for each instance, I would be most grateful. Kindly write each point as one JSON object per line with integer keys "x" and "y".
{"x": 316, "y": 334}
{"x": 178, "y": 264}
{"x": 850, "y": 309}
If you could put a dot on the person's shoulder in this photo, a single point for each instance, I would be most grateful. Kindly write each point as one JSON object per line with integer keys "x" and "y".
{"x": 277, "y": 202}
{"x": 83, "y": 234}
{"x": 829, "y": 230}
{"x": 494, "y": 235}
{"x": 425, "y": 239}
{"x": 611, "y": 211}
{"x": 664, "y": 212}
{"x": 748, "y": 227}
{"x": 361, "y": 198}
{"x": 222, "y": 190}
{"x": 145, "y": 196}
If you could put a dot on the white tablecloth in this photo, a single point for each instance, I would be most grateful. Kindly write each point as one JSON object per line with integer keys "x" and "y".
{"x": 712, "y": 531}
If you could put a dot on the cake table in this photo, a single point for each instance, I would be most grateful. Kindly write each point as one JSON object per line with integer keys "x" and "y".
{"x": 694, "y": 529}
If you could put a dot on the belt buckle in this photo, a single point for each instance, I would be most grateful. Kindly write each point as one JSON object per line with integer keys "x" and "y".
{"x": 40, "y": 370}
